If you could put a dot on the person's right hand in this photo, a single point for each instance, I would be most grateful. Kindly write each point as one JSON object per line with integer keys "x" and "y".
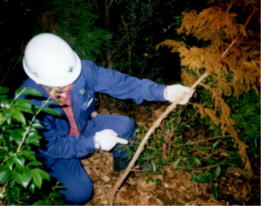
{"x": 107, "y": 139}
{"x": 173, "y": 92}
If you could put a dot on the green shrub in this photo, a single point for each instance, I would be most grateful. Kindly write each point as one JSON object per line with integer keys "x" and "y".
{"x": 186, "y": 141}
{"x": 22, "y": 181}
{"x": 246, "y": 114}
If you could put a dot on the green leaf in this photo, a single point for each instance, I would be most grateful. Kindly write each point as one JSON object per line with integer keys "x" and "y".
{"x": 32, "y": 187}
{"x": 196, "y": 161}
{"x": 28, "y": 91}
{"x": 3, "y": 153}
{"x": 23, "y": 178}
{"x": 45, "y": 202}
{"x": 36, "y": 125}
{"x": 4, "y": 174}
{"x": 205, "y": 149}
{"x": 4, "y": 103}
{"x": 1, "y": 118}
{"x": 216, "y": 144}
{"x": 50, "y": 111}
{"x": 10, "y": 163}
{"x": 215, "y": 191}
{"x": 17, "y": 115}
{"x": 153, "y": 166}
{"x": 44, "y": 174}
{"x": 16, "y": 194}
{"x": 218, "y": 171}
{"x": 23, "y": 105}
{"x": 53, "y": 101}
{"x": 203, "y": 178}
{"x": 32, "y": 139}
{"x": 158, "y": 181}
{"x": 55, "y": 195}
{"x": 188, "y": 165}
{"x": 177, "y": 163}
{"x": 34, "y": 164}
{"x": 2, "y": 197}
{"x": 19, "y": 161}
{"x": 37, "y": 177}
{"x": 16, "y": 134}
{"x": 3, "y": 90}
{"x": 30, "y": 155}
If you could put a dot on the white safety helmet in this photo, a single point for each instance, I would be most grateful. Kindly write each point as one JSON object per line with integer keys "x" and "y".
{"x": 50, "y": 61}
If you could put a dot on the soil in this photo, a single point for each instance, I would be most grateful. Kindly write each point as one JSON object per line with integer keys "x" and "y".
{"x": 175, "y": 187}
{"x": 172, "y": 187}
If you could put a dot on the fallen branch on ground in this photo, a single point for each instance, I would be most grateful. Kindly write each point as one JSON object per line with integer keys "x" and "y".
{"x": 154, "y": 126}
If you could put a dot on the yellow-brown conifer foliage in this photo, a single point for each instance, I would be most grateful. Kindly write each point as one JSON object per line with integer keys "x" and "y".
{"x": 230, "y": 57}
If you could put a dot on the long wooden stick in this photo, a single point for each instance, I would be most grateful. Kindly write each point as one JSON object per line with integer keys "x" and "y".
{"x": 154, "y": 126}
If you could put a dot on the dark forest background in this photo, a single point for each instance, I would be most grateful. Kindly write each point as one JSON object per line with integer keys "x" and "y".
{"x": 122, "y": 34}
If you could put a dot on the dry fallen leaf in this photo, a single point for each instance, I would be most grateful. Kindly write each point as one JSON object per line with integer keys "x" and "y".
{"x": 176, "y": 187}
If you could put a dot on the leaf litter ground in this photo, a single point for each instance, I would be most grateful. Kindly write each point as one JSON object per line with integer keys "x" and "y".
{"x": 173, "y": 187}
{"x": 176, "y": 187}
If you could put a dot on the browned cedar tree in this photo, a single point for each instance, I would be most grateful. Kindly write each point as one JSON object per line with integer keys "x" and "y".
{"x": 230, "y": 55}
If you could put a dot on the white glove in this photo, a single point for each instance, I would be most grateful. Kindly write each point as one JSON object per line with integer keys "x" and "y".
{"x": 107, "y": 139}
{"x": 172, "y": 92}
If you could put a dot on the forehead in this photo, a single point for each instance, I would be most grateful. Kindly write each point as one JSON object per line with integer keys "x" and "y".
{"x": 58, "y": 88}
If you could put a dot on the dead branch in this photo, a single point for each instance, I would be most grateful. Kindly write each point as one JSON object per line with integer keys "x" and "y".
{"x": 154, "y": 126}
{"x": 239, "y": 35}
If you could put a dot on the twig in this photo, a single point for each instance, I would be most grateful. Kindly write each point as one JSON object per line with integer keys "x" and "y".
{"x": 239, "y": 35}
{"x": 201, "y": 141}
{"x": 154, "y": 126}
{"x": 27, "y": 130}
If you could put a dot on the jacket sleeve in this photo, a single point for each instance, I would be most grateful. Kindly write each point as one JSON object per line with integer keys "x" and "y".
{"x": 123, "y": 86}
{"x": 59, "y": 144}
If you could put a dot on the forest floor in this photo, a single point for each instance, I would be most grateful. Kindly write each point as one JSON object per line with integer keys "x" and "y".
{"x": 176, "y": 187}
{"x": 173, "y": 187}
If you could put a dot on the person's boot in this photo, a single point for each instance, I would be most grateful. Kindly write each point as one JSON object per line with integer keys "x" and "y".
{"x": 120, "y": 164}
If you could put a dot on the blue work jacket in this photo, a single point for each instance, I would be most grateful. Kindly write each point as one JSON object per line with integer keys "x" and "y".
{"x": 55, "y": 131}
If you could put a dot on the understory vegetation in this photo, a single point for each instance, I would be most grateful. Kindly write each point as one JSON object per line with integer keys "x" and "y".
{"x": 23, "y": 180}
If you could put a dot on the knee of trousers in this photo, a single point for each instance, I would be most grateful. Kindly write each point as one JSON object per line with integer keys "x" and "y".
{"x": 127, "y": 127}
{"x": 79, "y": 195}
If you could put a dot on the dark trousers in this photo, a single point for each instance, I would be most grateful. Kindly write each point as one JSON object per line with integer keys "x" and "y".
{"x": 78, "y": 186}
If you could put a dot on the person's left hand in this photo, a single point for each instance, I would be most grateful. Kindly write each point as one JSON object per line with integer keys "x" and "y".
{"x": 172, "y": 92}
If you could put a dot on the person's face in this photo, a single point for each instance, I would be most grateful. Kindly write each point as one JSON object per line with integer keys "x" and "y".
{"x": 57, "y": 90}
